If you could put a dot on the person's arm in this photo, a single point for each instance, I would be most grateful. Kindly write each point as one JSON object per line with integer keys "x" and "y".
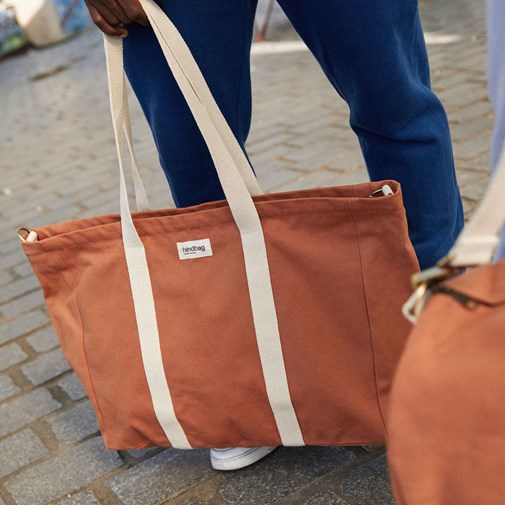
{"x": 110, "y": 16}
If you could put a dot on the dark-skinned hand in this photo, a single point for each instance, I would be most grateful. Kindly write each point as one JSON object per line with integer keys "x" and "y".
{"x": 112, "y": 16}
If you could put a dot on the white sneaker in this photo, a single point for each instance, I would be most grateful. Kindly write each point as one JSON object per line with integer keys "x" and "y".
{"x": 235, "y": 458}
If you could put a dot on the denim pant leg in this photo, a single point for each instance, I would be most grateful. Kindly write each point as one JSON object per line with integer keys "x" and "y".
{"x": 374, "y": 54}
{"x": 496, "y": 72}
{"x": 219, "y": 34}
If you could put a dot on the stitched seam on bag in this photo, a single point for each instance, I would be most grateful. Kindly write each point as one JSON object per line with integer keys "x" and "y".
{"x": 99, "y": 413}
{"x": 368, "y": 319}
{"x": 184, "y": 229}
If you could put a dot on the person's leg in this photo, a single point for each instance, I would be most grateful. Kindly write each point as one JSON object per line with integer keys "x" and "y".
{"x": 374, "y": 54}
{"x": 496, "y": 72}
{"x": 219, "y": 34}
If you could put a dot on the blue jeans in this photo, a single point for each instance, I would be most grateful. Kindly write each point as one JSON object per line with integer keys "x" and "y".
{"x": 372, "y": 52}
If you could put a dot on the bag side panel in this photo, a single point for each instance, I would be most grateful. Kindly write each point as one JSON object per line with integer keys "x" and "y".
{"x": 388, "y": 261}
{"x": 59, "y": 277}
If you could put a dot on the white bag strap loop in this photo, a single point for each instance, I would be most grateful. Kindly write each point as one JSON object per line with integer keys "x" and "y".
{"x": 119, "y": 95}
{"x": 140, "y": 190}
{"x": 478, "y": 242}
{"x": 238, "y": 184}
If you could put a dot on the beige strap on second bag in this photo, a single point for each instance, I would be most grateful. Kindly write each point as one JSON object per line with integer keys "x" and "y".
{"x": 224, "y": 150}
{"x": 478, "y": 242}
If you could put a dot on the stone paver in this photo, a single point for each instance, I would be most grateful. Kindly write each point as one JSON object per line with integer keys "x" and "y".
{"x": 17, "y": 288}
{"x": 72, "y": 386}
{"x": 281, "y": 474}
{"x": 11, "y": 355}
{"x": 369, "y": 484}
{"x": 7, "y": 387}
{"x": 15, "y": 414}
{"x": 58, "y": 162}
{"x": 18, "y": 450}
{"x": 22, "y": 304}
{"x": 161, "y": 477}
{"x": 75, "y": 424}
{"x": 45, "y": 367}
{"x": 22, "y": 325}
{"x": 43, "y": 340}
{"x": 5, "y": 278}
{"x": 86, "y": 498}
{"x": 325, "y": 498}
{"x": 62, "y": 474}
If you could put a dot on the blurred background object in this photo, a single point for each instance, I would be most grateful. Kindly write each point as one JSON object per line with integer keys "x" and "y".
{"x": 12, "y": 38}
{"x": 262, "y": 28}
{"x": 39, "y": 22}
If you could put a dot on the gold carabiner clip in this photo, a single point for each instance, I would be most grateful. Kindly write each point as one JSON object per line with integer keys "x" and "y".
{"x": 422, "y": 282}
{"x": 26, "y": 235}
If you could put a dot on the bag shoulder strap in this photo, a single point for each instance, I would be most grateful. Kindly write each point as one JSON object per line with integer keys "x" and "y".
{"x": 478, "y": 242}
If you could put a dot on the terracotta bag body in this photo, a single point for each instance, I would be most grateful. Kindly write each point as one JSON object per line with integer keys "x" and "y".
{"x": 178, "y": 338}
{"x": 447, "y": 433}
{"x": 447, "y": 420}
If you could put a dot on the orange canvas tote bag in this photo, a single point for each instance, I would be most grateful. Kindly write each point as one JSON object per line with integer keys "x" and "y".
{"x": 259, "y": 320}
{"x": 447, "y": 426}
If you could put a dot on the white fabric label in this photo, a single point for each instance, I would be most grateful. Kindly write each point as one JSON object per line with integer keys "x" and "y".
{"x": 194, "y": 249}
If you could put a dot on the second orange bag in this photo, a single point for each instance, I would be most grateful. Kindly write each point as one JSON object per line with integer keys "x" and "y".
{"x": 447, "y": 420}
{"x": 256, "y": 321}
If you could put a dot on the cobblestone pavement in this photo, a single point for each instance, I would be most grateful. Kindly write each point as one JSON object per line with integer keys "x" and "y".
{"x": 57, "y": 162}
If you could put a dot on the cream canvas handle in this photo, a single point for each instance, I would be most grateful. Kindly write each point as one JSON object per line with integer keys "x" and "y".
{"x": 478, "y": 242}
{"x": 196, "y": 81}
{"x": 238, "y": 184}
{"x": 140, "y": 190}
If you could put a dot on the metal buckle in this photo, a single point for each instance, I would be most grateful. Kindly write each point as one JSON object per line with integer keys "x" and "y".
{"x": 415, "y": 304}
{"x": 26, "y": 235}
{"x": 23, "y": 232}
{"x": 423, "y": 282}
{"x": 441, "y": 271}
{"x": 385, "y": 190}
